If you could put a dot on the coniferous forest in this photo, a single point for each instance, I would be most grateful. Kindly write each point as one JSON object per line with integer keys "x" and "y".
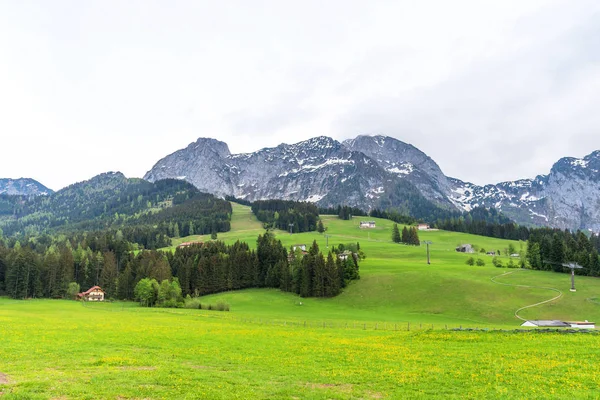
{"x": 299, "y": 216}
{"x": 49, "y": 268}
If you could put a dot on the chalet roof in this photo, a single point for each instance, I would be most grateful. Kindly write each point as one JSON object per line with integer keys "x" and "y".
{"x": 90, "y": 290}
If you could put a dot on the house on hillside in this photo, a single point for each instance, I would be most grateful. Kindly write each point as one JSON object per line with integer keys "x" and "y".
{"x": 299, "y": 246}
{"x": 92, "y": 294}
{"x": 423, "y": 227}
{"x": 345, "y": 254}
{"x": 465, "y": 248}
{"x": 186, "y": 244}
{"x": 367, "y": 224}
{"x": 292, "y": 255}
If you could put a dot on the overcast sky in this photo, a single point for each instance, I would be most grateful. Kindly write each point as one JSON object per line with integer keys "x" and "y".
{"x": 492, "y": 91}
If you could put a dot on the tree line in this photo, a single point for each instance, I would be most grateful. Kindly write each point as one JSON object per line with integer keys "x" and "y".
{"x": 299, "y": 216}
{"x": 410, "y": 235}
{"x": 48, "y": 269}
{"x": 548, "y": 249}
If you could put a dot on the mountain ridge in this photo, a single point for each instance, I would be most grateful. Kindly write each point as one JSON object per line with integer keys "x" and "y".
{"x": 363, "y": 171}
{"x": 23, "y": 187}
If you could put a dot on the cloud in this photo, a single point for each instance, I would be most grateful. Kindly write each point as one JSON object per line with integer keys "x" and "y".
{"x": 490, "y": 90}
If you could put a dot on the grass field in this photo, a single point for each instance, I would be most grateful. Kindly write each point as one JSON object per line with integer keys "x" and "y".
{"x": 61, "y": 349}
{"x": 397, "y": 285}
{"x": 275, "y": 345}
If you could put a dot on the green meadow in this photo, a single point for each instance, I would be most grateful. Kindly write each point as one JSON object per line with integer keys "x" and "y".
{"x": 388, "y": 335}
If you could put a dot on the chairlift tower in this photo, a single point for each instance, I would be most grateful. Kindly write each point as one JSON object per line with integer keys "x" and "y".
{"x": 573, "y": 267}
{"x": 291, "y": 227}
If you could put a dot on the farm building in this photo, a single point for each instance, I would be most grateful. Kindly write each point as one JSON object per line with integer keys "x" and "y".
{"x": 367, "y": 224}
{"x": 423, "y": 227}
{"x": 186, "y": 244}
{"x": 491, "y": 253}
{"x": 465, "y": 248}
{"x": 560, "y": 324}
{"x": 292, "y": 255}
{"x": 546, "y": 323}
{"x": 92, "y": 294}
{"x": 299, "y": 246}
{"x": 345, "y": 254}
{"x": 582, "y": 324}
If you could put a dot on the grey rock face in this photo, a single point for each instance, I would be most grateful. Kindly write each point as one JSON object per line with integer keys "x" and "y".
{"x": 358, "y": 172}
{"x": 567, "y": 198}
{"x": 23, "y": 186}
{"x": 313, "y": 170}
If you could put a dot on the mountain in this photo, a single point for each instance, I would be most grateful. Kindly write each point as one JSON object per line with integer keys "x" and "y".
{"x": 319, "y": 169}
{"x": 567, "y": 198}
{"x": 23, "y": 187}
{"x": 112, "y": 201}
{"x": 381, "y": 171}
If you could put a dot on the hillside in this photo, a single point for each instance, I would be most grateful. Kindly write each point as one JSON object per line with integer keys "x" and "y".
{"x": 397, "y": 285}
{"x": 112, "y": 201}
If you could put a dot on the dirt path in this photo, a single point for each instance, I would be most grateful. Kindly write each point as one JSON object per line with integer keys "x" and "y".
{"x": 493, "y": 279}
{"x": 3, "y": 379}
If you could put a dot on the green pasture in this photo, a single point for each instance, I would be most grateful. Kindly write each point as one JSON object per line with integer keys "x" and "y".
{"x": 53, "y": 349}
{"x": 388, "y": 335}
{"x": 398, "y": 286}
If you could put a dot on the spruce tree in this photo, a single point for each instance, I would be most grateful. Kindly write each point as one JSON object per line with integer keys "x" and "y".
{"x": 320, "y": 227}
{"x": 396, "y": 238}
{"x": 405, "y": 236}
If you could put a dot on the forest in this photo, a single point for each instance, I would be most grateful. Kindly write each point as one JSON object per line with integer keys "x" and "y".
{"x": 48, "y": 268}
{"x": 145, "y": 213}
{"x": 297, "y": 216}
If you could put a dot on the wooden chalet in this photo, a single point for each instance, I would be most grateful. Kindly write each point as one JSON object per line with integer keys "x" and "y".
{"x": 92, "y": 294}
{"x": 367, "y": 224}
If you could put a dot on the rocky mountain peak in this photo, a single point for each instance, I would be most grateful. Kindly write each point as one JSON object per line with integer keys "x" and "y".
{"x": 207, "y": 145}
{"x": 23, "y": 187}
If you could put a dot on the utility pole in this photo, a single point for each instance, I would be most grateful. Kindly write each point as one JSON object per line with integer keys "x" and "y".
{"x": 327, "y": 241}
{"x": 427, "y": 242}
{"x": 291, "y": 227}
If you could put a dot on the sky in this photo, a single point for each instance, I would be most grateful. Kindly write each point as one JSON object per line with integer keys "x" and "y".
{"x": 491, "y": 90}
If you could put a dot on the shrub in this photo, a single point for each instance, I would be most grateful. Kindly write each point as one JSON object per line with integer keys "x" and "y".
{"x": 192, "y": 302}
{"x": 470, "y": 261}
{"x": 480, "y": 262}
{"x": 497, "y": 262}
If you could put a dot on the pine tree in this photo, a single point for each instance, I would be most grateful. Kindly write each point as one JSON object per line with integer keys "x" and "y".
{"x": 415, "y": 236}
{"x": 108, "y": 277}
{"x": 396, "y": 238}
{"x": 405, "y": 236}
{"x": 332, "y": 281}
{"x": 320, "y": 227}
{"x": 320, "y": 276}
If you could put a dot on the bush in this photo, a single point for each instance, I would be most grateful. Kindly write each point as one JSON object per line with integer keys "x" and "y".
{"x": 497, "y": 262}
{"x": 194, "y": 303}
{"x": 470, "y": 261}
{"x": 511, "y": 264}
{"x": 480, "y": 262}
